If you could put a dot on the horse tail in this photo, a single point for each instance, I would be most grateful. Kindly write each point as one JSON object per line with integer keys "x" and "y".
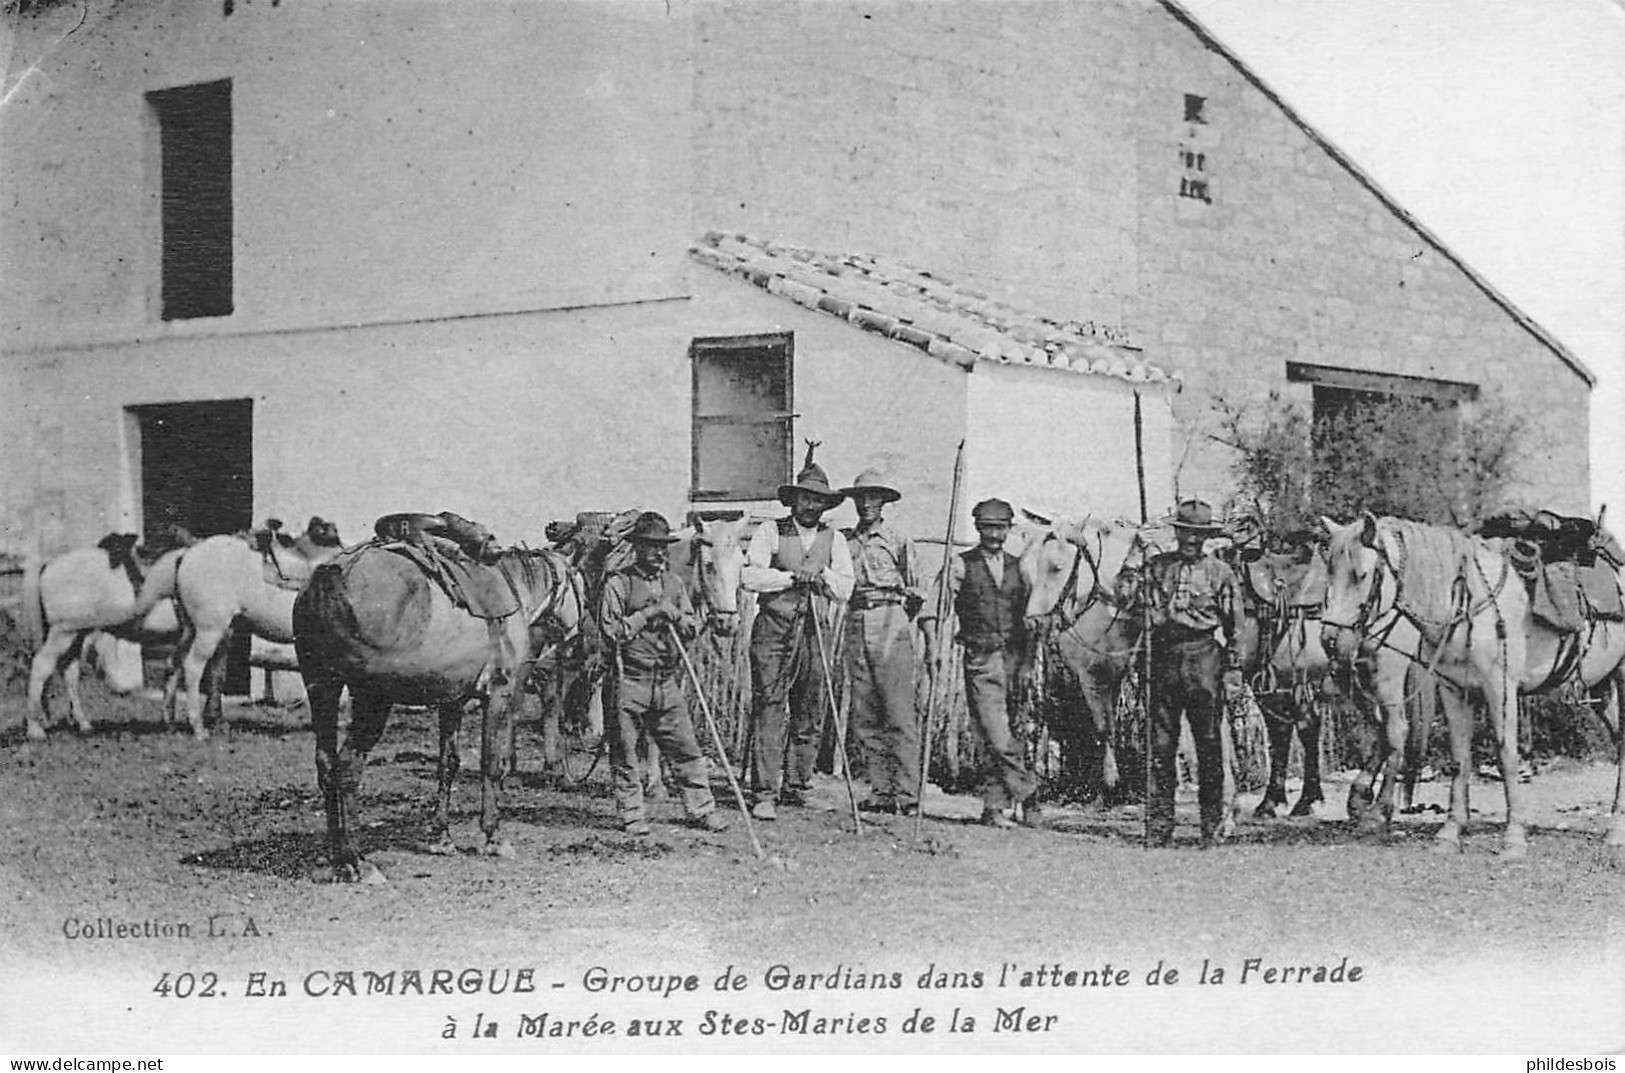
{"x": 33, "y": 607}
{"x": 159, "y": 584}
{"x": 322, "y": 611}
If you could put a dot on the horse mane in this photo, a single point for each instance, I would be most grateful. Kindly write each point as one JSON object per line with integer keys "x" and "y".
{"x": 1429, "y": 560}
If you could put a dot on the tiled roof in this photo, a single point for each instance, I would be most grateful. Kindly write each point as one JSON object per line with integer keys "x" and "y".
{"x": 954, "y": 323}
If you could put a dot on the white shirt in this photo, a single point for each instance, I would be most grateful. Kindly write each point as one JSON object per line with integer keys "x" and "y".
{"x": 760, "y": 575}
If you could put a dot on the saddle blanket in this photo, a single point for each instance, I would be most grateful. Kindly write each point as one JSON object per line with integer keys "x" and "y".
{"x": 1568, "y": 596}
{"x": 483, "y": 591}
{"x": 1302, "y": 584}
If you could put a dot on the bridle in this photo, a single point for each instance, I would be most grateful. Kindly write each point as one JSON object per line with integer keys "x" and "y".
{"x": 1374, "y": 623}
{"x": 704, "y": 574}
{"x": 1065, "y": 616}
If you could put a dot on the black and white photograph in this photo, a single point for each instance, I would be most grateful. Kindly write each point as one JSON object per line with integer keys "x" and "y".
{"x": 812, "y": 527}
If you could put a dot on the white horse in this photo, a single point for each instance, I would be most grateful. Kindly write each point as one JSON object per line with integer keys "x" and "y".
{"x": 1407, "y": 593}
{"x": 227, "y": 581}
{"x": 74, "y": 595}
{"x": 1087, "y": 636}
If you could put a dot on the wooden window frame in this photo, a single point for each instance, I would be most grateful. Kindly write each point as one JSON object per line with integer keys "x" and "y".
{"x": 698, "y": 349}
{"x": 1449, "y": 391}
{"x": 198, "y": 227}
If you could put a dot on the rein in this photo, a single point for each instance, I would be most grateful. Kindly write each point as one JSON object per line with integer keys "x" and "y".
{"x": 1368, "y": 623}
{"x": 1066, "y": 618}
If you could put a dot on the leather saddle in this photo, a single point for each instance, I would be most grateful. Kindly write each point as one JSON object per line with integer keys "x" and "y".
{"x": 458, "y": 555}
{"x": 1284, "y": 580}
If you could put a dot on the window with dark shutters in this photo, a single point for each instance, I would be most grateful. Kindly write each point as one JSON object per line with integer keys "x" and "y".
{"x": 742, "y": 416}
{"x": 194, "y": 130}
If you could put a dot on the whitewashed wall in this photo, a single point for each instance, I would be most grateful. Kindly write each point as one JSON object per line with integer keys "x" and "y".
{"x": 1053, "y": 440}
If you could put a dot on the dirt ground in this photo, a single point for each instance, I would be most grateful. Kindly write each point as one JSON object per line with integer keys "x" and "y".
{"x": 137, "y": 822}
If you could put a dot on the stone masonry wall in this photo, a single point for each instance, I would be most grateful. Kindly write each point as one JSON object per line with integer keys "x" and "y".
{"x": 1294, "y": 259}
{"x": 1038, "y": 149}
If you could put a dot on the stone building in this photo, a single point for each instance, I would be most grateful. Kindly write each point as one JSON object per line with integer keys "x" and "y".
{"x": 518, "y": 262}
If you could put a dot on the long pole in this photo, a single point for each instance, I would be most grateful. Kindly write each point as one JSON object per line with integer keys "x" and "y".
{"x": 835, "y": 714}
{"x": 1139, "y": 454}
{"x": 716, "y": 736}
{"x": 1145, "y": 625}
{"x": 939, "y": 654}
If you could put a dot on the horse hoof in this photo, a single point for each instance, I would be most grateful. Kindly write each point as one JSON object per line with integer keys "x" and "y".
{"x": 1446, "y": 847}
{"x": 442, "y": 847}
{"x": 84, "y": 729}
{"x": 501, "y": 848}
{"x": 368, "y": 875}
{"x": 1265, "y": 810}
{"x": 1308, "y": 809}
{"x": 200, "y": 734}
{"x": 36, "y": 732}
{"x": 1515, "y": 851}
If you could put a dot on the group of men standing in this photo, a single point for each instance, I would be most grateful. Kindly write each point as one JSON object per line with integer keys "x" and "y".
{"x": 799, "y": 566}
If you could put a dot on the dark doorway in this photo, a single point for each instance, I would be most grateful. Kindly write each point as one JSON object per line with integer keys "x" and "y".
{"x": 197, "y": 472}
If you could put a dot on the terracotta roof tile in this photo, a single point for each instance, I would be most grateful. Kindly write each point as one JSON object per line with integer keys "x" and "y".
{"x": 960, "y": 325}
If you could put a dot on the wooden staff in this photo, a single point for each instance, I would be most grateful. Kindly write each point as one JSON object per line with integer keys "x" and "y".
{"x": 835, "y": 714}
{"x": 716, "y": 736}
{"x": 939, "y": 650}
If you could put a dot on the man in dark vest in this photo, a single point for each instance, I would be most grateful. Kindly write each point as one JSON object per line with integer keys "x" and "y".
{"x": 640, "y": 608}
{"x": 799, "y": 567}
{"x": 1196, "y": 617}
{"x": 886, "y": 595}
{"x": 989, "y": 598}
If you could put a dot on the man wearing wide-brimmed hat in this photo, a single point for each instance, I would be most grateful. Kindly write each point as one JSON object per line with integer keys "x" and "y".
{"x": 641, "y": 608}
{"x": 887, "y": 593}
{"x": 798, "y": 567}
{"x": 1196, "y": 616}
{"x": 989, "y": 597}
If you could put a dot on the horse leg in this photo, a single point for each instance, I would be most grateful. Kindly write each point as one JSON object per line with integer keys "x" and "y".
{"x": 177, "y": 665}
{"x": 214, "y": 686}
{"x": 1501, "y": 695}
{"x": 496, "y": 715}
{"x": 342, "y": 786}
{"x": 324, "y": 695}
{"x": 450, "y": 762}
{"x": 1309, "y": 738}
{"x": 1614, "y": 715}
{"x": 1279, "y": 730}
{"x": 70, "y": 684}
{"x": 1458, "y": 712}
{"x": 205, "y": 642}
{"x": 57, "y": 647}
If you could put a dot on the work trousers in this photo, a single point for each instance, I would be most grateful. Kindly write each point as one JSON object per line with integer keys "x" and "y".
{"x": 1186, "y": 678}
{"x": 787, "y": 689}
{"x": 654, "y": 704}
{"x": 880, "y": 668}
{"x": 992, "y": 689}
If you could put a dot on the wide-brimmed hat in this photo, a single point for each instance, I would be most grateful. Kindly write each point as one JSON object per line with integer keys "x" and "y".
{"x": 1196, "y": 515}
{"x": 651, "y": 528}
{"x": 870, "y": 483}
{"x": 993, "y": 510}
{"x": 811, "y": 479}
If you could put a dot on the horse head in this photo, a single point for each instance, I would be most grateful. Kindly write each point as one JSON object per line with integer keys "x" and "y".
{"x": 1354, "y": 559}
{"x": 1078, "y": 564}
{"x": 711, "y": 558}
{"x": 551, "y": 591}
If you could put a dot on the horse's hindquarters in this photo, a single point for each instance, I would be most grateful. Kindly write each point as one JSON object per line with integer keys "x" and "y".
{"x": 374, "y": 620}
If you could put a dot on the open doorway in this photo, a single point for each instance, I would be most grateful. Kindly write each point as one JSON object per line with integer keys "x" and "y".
{"x": 197, "y": 472}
